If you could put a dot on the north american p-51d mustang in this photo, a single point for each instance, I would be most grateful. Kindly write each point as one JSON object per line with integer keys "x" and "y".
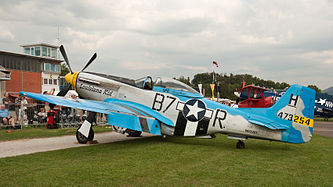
{"x": 170, "y": 108}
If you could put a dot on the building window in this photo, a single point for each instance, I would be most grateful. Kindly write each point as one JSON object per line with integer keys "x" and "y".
{"x": 58, "y": 68}
{"x": 48, "y": 52}
{"x": 47, "y": 67}
{"x": 44, "y": 51}
{"x": 27, "y": 50}
{"x": 37, "y": 51}
{"x": 45, "y": 81}
{"x": 32, "y": 51}
{"x": 52, "y": 67}
{"x": 55, "y": 81}
{"x": 50, "y": 81}
{"x": 54, "y": 53}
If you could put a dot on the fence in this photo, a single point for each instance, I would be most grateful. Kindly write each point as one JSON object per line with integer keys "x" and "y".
{"x": 33, "y": 116}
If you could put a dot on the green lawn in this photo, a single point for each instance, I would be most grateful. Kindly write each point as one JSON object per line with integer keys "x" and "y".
{"x": 176, "y": 162}
{"x": 323, "y": 119}
{"x": 38, "y": 132}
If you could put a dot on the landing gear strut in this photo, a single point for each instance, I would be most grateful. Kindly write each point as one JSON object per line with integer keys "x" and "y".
{"x": 240, "y": 144}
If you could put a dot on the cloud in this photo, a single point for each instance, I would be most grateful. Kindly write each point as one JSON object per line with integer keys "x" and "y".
{"x": 6, "y": 35}
{"x": 278, "y": 40}
{"x": 325, "y": 56}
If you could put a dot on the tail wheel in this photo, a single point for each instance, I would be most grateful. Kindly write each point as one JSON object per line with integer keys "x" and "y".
{"x": 240, "y": 144}
{"x": 82, "y": 139}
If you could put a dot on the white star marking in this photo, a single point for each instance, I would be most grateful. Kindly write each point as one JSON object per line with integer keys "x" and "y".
{"x": 322, "y": 101}
{"x": 194, "y": 110}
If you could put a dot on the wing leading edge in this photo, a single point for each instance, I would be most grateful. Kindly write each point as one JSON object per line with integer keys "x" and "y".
{"x": 120, "y": 113}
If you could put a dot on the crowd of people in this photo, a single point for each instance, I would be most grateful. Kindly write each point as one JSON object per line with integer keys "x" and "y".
{"x": 20, "y": 106}
{"x": 40, "y": 112}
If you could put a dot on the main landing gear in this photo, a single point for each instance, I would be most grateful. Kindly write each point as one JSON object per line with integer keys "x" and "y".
{"x": 130, "y": 133}
{"x": 85, "y": 133}
{"x": 240, "y": 144}
{"x": 82, "y": 139}
{"x": 133, "y": 133}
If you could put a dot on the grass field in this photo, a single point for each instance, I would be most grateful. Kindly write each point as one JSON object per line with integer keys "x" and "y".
{"x": 38, "y": 132}
{"x": 176, "y": 162}
{"x": 323, "y": 119}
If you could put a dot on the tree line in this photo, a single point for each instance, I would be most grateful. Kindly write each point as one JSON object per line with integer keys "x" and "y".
{"x": 226, "y": 85}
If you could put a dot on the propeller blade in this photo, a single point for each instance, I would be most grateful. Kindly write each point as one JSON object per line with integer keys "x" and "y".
{"x": 90, "y": 61}
{"x": 62, "y": 92}
{"x": 64, "y": 55}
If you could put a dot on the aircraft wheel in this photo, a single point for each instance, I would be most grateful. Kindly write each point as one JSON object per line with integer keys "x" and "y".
{"x": 240, "y": 144}
{"x": 120, "y": 130}
{"x": 82, "y": 139}
{"x": 133, "y": 133}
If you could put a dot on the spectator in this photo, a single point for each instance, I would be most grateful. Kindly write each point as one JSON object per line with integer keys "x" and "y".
{"x": 51, "y": 121}
{"x": 5, "y": 117}
{"x": 42, "y": 116}
{"x": 23, "y": 108}
{"x": 17, "y": 108}
{"x": 6, "y": 101}
{"x": 46, "y": 105}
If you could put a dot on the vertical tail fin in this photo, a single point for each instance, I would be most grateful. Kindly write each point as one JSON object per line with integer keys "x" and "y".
{"x": 295, "y": 109}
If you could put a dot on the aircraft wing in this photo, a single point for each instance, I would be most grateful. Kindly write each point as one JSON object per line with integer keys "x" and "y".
{"x": 120, "y": 113}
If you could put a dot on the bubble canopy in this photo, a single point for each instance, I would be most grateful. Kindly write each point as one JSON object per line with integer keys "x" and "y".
{"x": 166, "y": 82}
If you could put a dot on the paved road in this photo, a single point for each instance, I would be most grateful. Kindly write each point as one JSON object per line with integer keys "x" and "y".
{"x": 28, "y": 146}
{"x": 324, "y": 128}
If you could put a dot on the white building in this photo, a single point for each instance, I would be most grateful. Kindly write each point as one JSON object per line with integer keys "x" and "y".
{"x": 50, "y": 69}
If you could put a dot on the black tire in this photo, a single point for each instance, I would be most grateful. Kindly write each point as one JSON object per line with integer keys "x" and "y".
{"x": 82, "y": 139}
{"x": 133, "y": 133}
{"x": 91, "y": 135}
{"x": 120, "y": 130}
{"x": 240, "y": 145}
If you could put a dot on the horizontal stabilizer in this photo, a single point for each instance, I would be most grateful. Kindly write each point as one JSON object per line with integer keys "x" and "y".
{"x": 266, "y": 122}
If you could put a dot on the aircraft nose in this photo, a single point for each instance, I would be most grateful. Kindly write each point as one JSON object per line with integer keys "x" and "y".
{"x": 71, "y": 78}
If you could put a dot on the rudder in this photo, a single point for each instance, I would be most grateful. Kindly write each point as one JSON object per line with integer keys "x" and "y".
{"x": 295, "y": 109}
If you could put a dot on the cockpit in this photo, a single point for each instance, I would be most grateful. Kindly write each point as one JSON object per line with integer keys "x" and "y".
{"x": 144, "y": 83}
{"x": 163, "y": 82}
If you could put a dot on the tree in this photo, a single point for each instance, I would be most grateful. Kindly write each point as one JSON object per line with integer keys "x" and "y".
{"x": 184, "y": 80}
{"x": 64, "y": 69}
{"x": 229, "y": 83}
{"x": 315, "y": 88}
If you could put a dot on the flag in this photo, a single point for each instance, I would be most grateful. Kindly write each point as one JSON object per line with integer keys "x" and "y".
{"x": 212, "y": 86}
{"x": 216, "y": 64}
{"x": 200, "y": 88}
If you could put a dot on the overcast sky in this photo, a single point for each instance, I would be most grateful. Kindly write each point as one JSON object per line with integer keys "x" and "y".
{"x": 290, "y": 41}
